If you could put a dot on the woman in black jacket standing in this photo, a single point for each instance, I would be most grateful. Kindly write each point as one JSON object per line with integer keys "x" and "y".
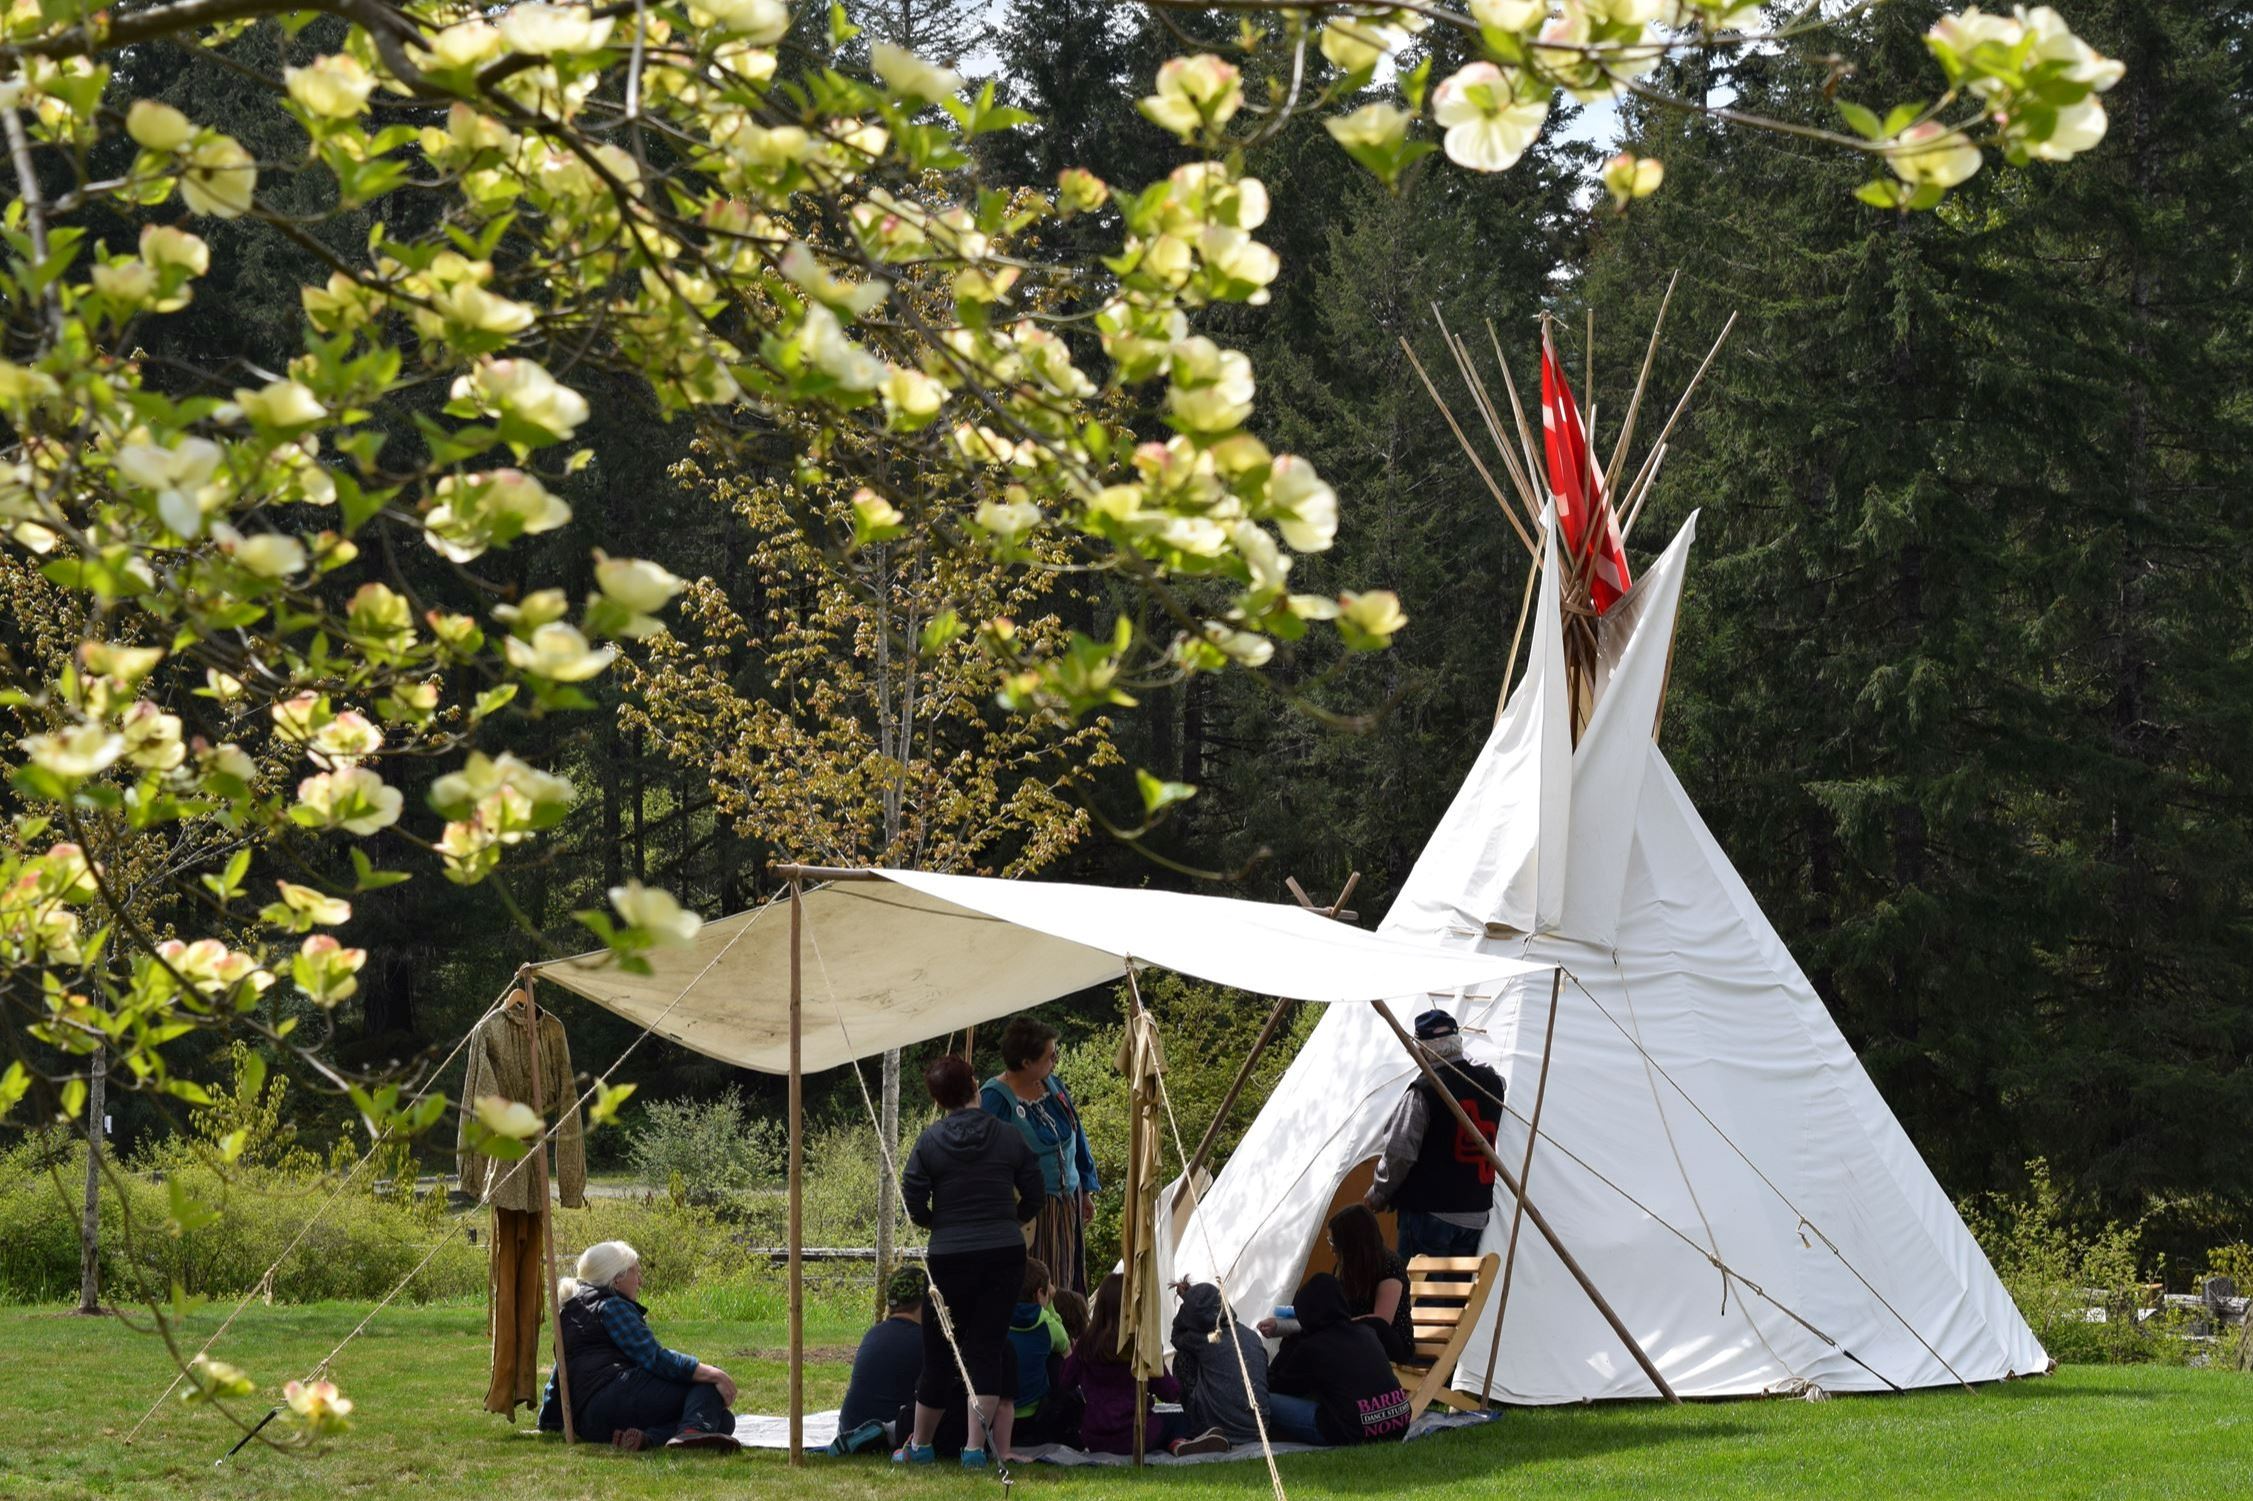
{"x": 973, "y": 1183}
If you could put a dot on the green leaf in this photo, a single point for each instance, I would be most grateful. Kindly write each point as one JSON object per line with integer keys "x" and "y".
{"x": 941, "y": 629}
{"x": 188, "y": 1212}
{"x": 1158, "y": 795}
{"x": 74, "y": 1098}
{"x": 490, "y": 1143}
{"x": 608, "y": 1097}
{"x": 1879, "y": 193}
{"x": 13, "y": 1084}
{"x": 1863, "y": 120}
{"x": 367, "y": 878}
{"x": 1898, "y": 119}
{"x": 1413, "y": 85}
{"x": 228, "y": 884}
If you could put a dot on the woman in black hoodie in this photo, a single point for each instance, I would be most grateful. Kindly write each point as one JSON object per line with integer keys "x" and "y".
{"x": 1332, "y": 1383}
{"x": 972, "y": 1182}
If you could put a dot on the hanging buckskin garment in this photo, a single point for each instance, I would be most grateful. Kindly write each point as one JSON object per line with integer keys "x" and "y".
{"x": 500, "y": 1063}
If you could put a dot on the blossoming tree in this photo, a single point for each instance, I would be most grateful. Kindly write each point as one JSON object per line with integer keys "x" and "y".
{"x": 229, "y": 667}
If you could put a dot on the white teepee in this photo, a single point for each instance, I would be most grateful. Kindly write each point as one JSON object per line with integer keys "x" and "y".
{"x": 1703, "y": 1110}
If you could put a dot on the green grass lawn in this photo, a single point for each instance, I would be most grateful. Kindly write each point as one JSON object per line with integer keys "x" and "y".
{"x": 70, "y": 1388}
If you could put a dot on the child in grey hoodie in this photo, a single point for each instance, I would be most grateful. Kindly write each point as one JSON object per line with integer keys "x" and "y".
{"x": 1207, "y": 1365}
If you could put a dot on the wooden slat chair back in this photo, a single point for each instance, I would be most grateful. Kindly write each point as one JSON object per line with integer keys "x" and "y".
{"x": 1445, "y": 1296}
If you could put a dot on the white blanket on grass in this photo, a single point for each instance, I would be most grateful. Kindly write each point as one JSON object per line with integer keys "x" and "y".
{"x": 761, "y": 1431}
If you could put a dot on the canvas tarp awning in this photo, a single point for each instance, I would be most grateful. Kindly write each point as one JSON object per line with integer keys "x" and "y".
{"x": 913, "y": 956}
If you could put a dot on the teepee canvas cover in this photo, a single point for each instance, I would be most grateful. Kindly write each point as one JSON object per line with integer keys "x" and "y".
{"x": 1702, "y": 1106}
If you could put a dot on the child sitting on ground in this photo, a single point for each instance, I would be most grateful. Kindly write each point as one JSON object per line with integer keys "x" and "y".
{"x": 1105, "y": 1381}
{"x": 1223, "y": 1373}
{"x": 1045, "y": 1411}
{"x": 880, "y": 1398}
{"x": 1071, "y": 1312}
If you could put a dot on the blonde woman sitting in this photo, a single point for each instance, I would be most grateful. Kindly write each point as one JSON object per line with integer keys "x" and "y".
{"x": 625, "y": 1386}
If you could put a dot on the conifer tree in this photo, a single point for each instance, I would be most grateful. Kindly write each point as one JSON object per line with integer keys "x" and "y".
{"x": 1962, "y": 686}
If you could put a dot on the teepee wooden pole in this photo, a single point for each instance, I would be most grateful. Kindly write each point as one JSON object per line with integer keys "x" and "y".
{"x": 1533, "y": 463}
{"x": 1508, "y": 512}
{"x": 1510, "y": 662}
{"x": 1588, "y": 373}
{"x": 1635, "y": 402}
{"x": 1493, "y": 422}
{"x": 797, "y": 1273}
{"x": 1642, "y": 492}
{"x": 1680, "y": 406}
{"x": 1525, "y": 1176}
{"x": 1488, "y": 415}
{"x": 1532, "y": 1211}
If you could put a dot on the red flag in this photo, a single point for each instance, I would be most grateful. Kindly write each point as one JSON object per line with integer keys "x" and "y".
{"x": 1577, "y": 481}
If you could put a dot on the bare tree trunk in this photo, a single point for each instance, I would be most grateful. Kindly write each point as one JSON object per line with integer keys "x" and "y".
{"x": 887, "y": 1202}
{"x": 90, "y": 1229}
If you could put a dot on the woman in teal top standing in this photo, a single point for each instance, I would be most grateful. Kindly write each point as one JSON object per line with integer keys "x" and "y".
{"x": 1027, "y": 1094}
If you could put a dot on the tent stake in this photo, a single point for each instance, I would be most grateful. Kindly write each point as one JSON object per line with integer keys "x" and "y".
{"x": 1533, "y": 1213}
{"x": 1525, "y": 1176}
{"x": 797, "y": 1192}
{"x": 547, "y": 1220}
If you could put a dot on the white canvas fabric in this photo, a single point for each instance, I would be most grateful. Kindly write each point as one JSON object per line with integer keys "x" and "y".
{"x": 1787, "y": 1141}
{"x": 1607, "y": 765}
{"x": 915, "y": 956}
{"x": 1505, "y": 834}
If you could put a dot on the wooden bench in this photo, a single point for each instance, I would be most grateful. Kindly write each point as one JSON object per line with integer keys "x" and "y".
{"x": 1445, "y": 1296}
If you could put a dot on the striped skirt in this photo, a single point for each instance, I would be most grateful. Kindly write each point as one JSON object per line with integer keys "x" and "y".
{"x": 1057, "y": 1239}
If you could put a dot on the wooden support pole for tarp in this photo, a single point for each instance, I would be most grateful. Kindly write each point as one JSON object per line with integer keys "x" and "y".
{"x": 1532, "y": 1212}
{"x": 547, "y": 1221}
{"x": 797, "y": 1193}
{"x": 1525, "y": 1176}
{"x": 797, "y": 873}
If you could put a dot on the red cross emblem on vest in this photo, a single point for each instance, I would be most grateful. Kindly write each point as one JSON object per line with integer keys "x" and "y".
{"x": 1467, "y": 1147}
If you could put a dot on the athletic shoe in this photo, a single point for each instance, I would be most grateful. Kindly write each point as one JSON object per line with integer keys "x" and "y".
{"x": 697, "y": 1438}
{"x": 859, "y": 1441}
{"x": 1211, "y": 1441}
{"x": 912, "y": 1453}
{"x": 974, "y": 1459}
{"x": 628, "y": 1439}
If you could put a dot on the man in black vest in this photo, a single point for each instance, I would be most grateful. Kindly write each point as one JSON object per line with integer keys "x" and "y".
{"x": 1432, "y": 1174}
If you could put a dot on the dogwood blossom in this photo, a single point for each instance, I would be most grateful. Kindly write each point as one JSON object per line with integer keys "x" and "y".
{"x": 1488, "y": 125}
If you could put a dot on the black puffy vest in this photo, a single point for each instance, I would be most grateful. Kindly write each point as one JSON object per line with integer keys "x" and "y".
{"x": 591, "y": 1357}
{"x": 1451, "y": 1175}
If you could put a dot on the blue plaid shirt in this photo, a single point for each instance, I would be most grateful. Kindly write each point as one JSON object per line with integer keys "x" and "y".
{"x": 627, "y": 1324}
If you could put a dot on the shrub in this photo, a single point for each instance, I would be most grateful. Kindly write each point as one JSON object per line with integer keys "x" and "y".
{"x": 1206, "y": 1032}
{"x": 2234, "y": 1261}
{"x": 707, "y": 1152}
{"x": 2058, "y": 1267}
{"x": 682, "y": 1245}
{"x": 359, "y": 1247}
